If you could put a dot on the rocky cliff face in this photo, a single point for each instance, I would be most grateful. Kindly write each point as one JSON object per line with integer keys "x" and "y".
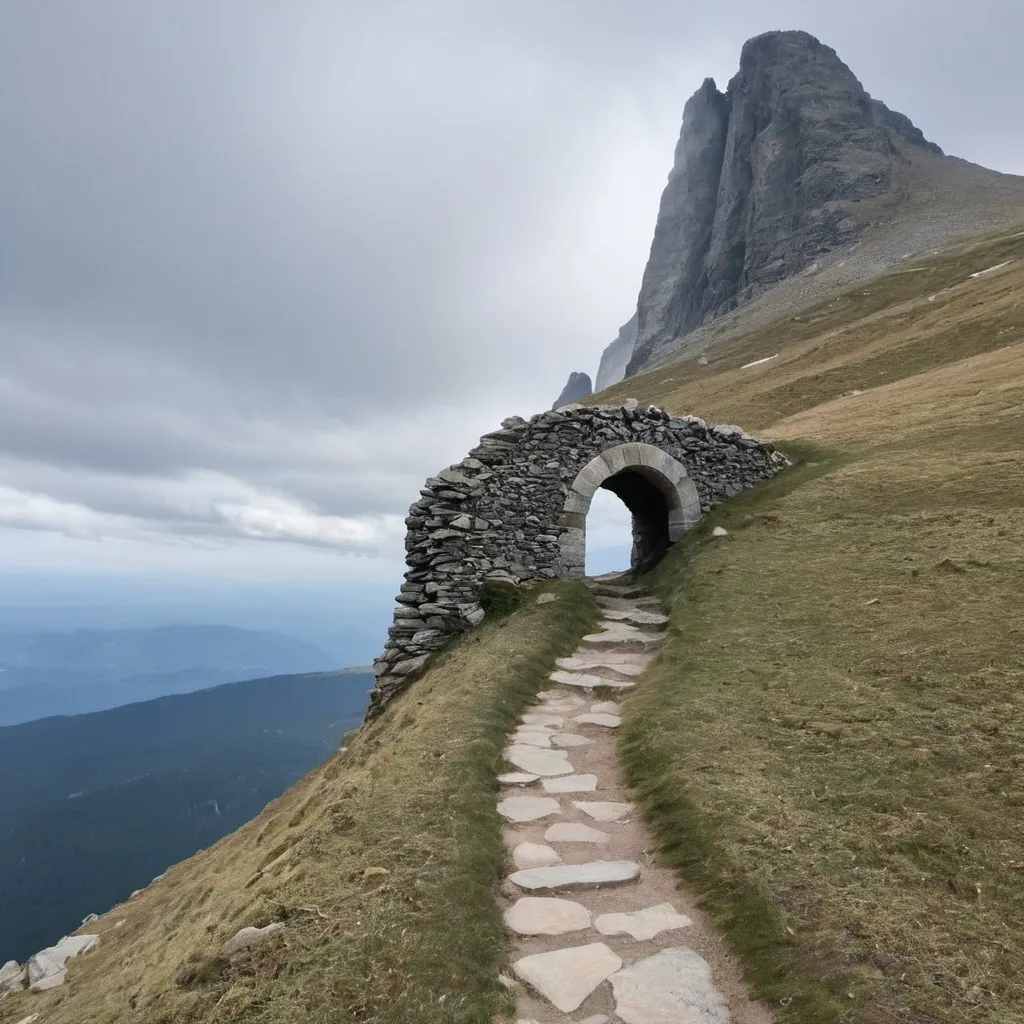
{"x": 768, "y": 176}
{"x": 577, "y": 387}
{"x": 615, "y": 357}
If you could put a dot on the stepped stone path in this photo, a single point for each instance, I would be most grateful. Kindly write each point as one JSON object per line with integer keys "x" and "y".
{"x": 603, "y": 934}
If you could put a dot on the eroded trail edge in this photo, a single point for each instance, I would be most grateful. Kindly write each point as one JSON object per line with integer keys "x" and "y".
{"x": 603, "y": 933}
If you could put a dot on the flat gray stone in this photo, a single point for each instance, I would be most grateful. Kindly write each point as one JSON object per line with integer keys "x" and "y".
{"x": 636, "y": 617}
{"x": 544, "y": 915}
{"x": 643, "y": 924}
{"x": 517, "y": 778}
{"x": 605, "y": 707}
{"x": 527, "y": 808}
{"x": 50, "y": 981}
{"x": 603, "y": 810}
{"x": 48, "y": 968}
{"x": 565, "y": 977}
{"x": 546, "y": 598}
{"x": 626, "y": 662}
{"x": 567, "y": 876}
{"x": 537, "y": 761}
{"x": 569, "y": 739}
{"x": 672, "y": 986}
{"x": 535, "y": 855}
{"x": 623, "y": 638}
{"x": 608, "y": 721}
{"x": 586, "y": 681}
{"x": 542, "y": 718}
{"x": 562, "y": 704}
{"x": 574, "y": 832}
{"x": 532, "y": 738}
{"x": 571, "y": 784}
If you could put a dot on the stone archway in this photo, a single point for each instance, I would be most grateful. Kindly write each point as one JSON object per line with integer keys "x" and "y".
{"x": 515, "y": 510}
{"x": 654, "y": 486}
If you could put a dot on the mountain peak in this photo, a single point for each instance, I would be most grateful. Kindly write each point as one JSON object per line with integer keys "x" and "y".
{"x": 768, "y": 176}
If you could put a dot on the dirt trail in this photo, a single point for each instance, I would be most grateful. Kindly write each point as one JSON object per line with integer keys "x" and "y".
{"x": 603, "y": 932}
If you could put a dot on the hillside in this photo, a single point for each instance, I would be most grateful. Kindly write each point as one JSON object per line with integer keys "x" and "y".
{"x": 381, "y": 863}
{"x": 106, "y": 801}
{"x": 829, "y": 745}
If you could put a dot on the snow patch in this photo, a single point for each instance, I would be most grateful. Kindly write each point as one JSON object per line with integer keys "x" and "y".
{"x": 998, "y": 266}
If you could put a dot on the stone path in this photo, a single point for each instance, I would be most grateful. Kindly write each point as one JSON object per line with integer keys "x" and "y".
{"x": 603, "y": 934}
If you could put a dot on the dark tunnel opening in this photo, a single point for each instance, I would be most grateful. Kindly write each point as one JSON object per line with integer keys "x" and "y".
{"x": 649, "y": 507}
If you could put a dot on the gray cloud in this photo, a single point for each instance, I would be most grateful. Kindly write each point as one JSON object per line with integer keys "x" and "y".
{"x": 265, "y": 266}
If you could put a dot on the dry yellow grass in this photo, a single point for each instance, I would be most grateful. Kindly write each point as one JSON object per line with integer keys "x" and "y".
{"x": 926, "y": 315}
{"x": 382, "y": 863}
{"x": 832, "y": 742}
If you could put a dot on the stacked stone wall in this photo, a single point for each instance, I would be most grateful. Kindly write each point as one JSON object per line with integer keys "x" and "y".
{"x": 500, "y": 514}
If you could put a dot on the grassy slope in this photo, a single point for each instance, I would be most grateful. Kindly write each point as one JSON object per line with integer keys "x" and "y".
{"x": 831, "y": 745}
{"x": 382, "y": 863}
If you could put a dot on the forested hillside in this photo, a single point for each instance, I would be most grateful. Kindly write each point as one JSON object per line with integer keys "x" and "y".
{"x": 106, "y": 801}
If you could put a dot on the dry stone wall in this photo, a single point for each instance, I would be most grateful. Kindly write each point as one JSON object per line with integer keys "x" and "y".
{"x": 514, "y": 510}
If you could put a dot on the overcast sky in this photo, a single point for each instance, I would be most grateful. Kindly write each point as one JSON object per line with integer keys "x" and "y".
{"x": 267, "y": 264}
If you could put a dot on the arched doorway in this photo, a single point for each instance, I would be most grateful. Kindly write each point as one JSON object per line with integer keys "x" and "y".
{"x": 609, "y": 534}
{"x": 662, "y": 500}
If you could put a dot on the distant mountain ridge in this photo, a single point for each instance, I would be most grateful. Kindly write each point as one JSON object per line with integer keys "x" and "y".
{"x": 44, "y": 673}
{"x": 791, "y": 183}
{"x": 105, "y": 801}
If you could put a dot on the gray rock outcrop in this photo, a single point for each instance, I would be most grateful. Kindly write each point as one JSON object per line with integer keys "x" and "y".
{"x": 615, "y": 358}
{"x": 577, "y": 387}
{"x": 767, "y": 176}
{"x": 47, "y": 968}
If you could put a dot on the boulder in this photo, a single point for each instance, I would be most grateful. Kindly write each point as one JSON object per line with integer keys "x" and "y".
{"x": 246, "y": 937}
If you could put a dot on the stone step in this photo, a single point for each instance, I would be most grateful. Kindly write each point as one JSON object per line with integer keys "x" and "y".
{"x": 565, "y": 977}
{"x": 652, "y": 621}
{"x": 531, "y": 738}
{"x": 588, "y": 681}
{"x": 536, "y": 761}
{"x": 621, "y": 638}
{"x": 571, "y": 784}
{"x": 603, "y": 810}
{"x": 528, "y": 808}
{"x": 542, "y": 719}
{"x": 577, "y": 876}
{"x": 622, "y": 665}
{"x": 535, "y": 855}
{"x": 673, "y": 985}
{"x": 628, "y": 591}
{"x": 642, "y": 924}
{"x": 518, "y": 779}
{"x": 625, "y": 604}
{"x": 566, "y": 740}
{"x": 574, "y": 832}
{"x": 608, "y": 721}
{"x": 546, "y": 915}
